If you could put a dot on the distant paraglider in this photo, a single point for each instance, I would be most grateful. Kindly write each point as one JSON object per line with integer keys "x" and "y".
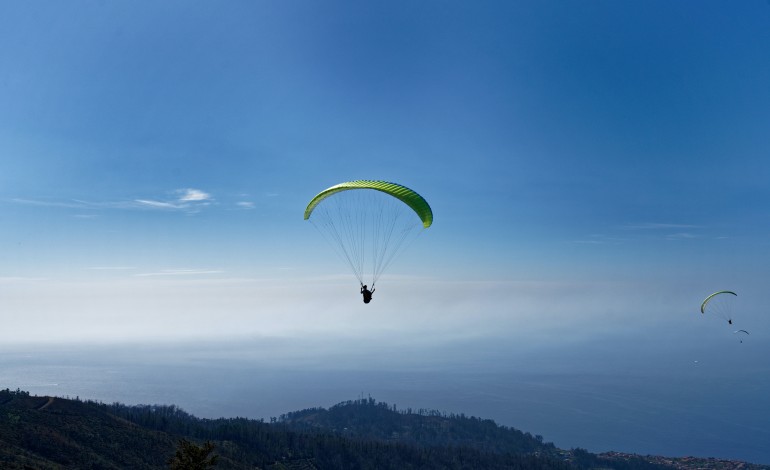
{"x": 368, "y": 223}
{"x": 721, "y": 304}
{"x": 741, "y": 331}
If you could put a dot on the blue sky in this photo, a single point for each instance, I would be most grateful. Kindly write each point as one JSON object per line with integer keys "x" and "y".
{"x": 156, "y": 158}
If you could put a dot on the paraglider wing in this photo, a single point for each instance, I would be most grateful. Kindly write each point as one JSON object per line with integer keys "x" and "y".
{"x": 710, "y": 297}
{"x": 407, "y": 196}
{"x": 368, "y": 222}
{"x": 741, "y": 331}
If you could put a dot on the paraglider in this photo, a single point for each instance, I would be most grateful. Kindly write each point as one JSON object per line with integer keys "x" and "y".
{"x": 368, "y": 223}
{"x": 367, "y": 293}
{"x": 721, "y": 304}
{"x": 741, "y": 331}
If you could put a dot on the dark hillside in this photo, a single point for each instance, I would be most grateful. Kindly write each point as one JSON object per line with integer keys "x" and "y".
{"x": 41, "y": 432}
{"x": 57, "y": 433}
{"x": 261, "y": 444}
{"x": 368, "y": 419}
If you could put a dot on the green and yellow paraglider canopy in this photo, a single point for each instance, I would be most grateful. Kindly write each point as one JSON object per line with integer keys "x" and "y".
{"x": 407, "y": 196}
{"x": 712, "y": 296}
{"x": 721, "y": 303}
{"x": 368, "y": 222}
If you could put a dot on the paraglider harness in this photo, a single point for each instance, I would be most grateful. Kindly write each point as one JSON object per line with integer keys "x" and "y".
{"x": 367, "y": 293}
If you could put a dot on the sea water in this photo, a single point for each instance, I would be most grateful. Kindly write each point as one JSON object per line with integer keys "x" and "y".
{"x": 700, "y": 404}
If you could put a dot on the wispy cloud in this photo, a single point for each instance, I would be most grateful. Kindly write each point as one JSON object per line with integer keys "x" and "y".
{"x": 71, "y": 204}
{"x": 190, "y": 194}
{"x": 245, "y": 205}
{"x": 104, "y": 205}
{"x": 111, "y": 268}
{"x": 644, "y": 231}
{"x": 681, "y": 236}
{"x": 76, "y": 204}
{"x": 188, "y": 200}
{"x": 181, "y": 272}
{"x": 601, "y": 239}
{"x": 667, "y": 231}
{"x": 159, "y": 204}
{"x": 658, "y": 226}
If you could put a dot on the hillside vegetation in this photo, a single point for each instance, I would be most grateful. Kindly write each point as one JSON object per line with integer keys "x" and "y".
{"x": 58, "y": 433}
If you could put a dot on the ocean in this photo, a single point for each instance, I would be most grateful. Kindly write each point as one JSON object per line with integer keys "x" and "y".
{"x": 672, "y": 406}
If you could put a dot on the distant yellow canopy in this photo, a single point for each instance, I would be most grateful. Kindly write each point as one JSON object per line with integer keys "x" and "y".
{"x": 708, "y": 299}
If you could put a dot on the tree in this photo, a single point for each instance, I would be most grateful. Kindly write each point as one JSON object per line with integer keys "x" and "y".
{"x": 193, "y": 457}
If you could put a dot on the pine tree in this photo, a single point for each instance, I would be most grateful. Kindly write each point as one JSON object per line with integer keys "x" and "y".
{"x": 193, "y": 457}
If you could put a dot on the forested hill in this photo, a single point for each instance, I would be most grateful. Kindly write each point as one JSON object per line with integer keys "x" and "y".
{"x": 368, "y": 419}
{"x": 58, "y": 433}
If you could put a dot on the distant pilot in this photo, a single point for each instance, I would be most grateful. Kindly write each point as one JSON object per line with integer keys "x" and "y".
{"x": 367, "y": 293}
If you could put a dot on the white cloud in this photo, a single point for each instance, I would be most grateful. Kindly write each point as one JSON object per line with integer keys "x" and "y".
{"x": 188, "y": 199}
{"x": 245, "y": 205}
{"x": 600, "y": 239}
{"x": 193, "y": 195}
{"x": 657, "y": 226}
{"x": 181, "y": 303}
{"x": 111, "y": 268}
{"x": 644, "y": 231}
{"x": 66, "y": 204}
{"x": 180, "y": 272}
{"x": 158, "y": 204}
{"x": 681, "y": 236}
